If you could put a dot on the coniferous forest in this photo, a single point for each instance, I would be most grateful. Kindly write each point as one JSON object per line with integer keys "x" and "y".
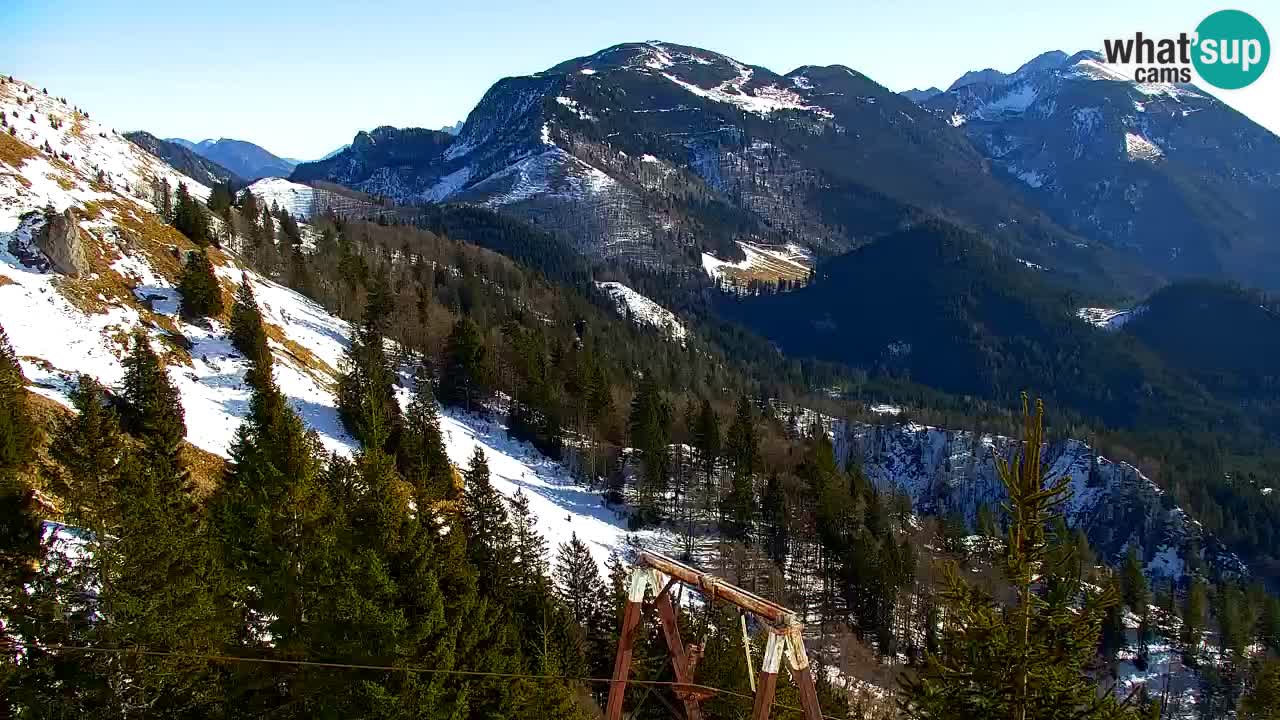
{"x": 392, "y": 584}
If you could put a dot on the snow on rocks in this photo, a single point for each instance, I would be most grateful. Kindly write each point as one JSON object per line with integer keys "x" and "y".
{"x": 954, "y": 471}
{"x": 644, "y": 311}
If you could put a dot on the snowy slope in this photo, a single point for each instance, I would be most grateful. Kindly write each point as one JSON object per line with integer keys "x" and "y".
{"x": 644, "y": 311}
{"x": 293, "y": 197}
{"x": 62, "y": 326}
{"x": 85, "y": 145}
{"x": 561, "y": 506}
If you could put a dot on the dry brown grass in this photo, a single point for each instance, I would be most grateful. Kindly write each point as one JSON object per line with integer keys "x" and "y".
{"x": 4, "y": 280}
{"x": 45, "y": 473}
{"x": 14, "y": 152}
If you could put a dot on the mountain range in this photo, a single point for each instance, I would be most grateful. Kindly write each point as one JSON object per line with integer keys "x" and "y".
{"x": 655, "y": 153}
{"x": 1167, "y": 171}
{"x": 931, "y": 266}
{"x": 185, "y": 160}
{"x": 242, "y": 157}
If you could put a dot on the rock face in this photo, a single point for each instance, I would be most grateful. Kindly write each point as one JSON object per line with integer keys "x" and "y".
{"x": 62, "y": 241}
{"x": 1165, "y": 173}
{"x": 1114, "y": 503}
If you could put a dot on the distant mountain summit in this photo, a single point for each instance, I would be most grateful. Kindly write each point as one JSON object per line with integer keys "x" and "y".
{"x": 1164, "y": 171}
{"x": 654, "y": 151}
{"x": 185, "y": 160}
{"x": 918, "y": 96}
{"x": 244, "y": 158}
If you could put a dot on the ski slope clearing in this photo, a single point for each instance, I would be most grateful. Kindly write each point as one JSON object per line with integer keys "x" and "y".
{"x": 769, "y": 263}
{"x": 293, "y": 197}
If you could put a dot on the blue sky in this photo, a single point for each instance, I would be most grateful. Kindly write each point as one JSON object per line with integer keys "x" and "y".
{"x": 302, "y": 78}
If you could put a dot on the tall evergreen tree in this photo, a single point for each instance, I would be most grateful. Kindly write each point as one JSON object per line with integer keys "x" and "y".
{"x": 1193, "y": 620}
{"x": 162, "y": 587}
{"x": 249, "y": 336}
{"x": 527, "y": 543}
{"x": 201, "y": 293}
{"x": 1029, "y": 660}
{"x": 1262, "y": 701}
{"x": 706, "y": 439}
{"x": 18, "y": 433}
{"x": 423, "y": 459}
{"x": 742, "y": 452}
{"x": 487, "y": 524}
{"x": 467, "y": 373}
{"x": 650, "y": 434}
{"x": 152, "y": 406}
{"x": 366, "y": 392}
{"x": 1133, "y": 584}
{"x": 89, "y": 446}
{"x": 774, "y": 518}
{"x": 190, "y": 217}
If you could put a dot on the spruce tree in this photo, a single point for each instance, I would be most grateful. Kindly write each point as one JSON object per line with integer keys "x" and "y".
{"x": 528, "y": 544}
{"x": 163, "y": 588}
{"x": 650, "y": 435}
{"x": 152, "y": 406}
{"x": 366, "y": 391}
{"x": 89, "y": 446}
{"x": 466, "y": 376}
{"x": 18, "y": 432}
{"x": 487, "y": 525}
{"x": 742, "y": 452}
{"x": 422, "y": 457}
{"x": 577, "y": 578}
{"x": 248, "y": 334}
{"x": 706, "y": 439}
{"x": 1133, "y": 583}
{"x": 190, "y": 217}
{"x": 201, "y": 293}
{"x": 1262, "y": 700}
{"x": 1029, "y": 660}
{"x": 774, "y": 519}
{"x": 1193, "y": 621}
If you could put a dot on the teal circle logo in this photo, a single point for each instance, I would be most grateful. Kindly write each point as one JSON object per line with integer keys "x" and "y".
{"x": 1232, "y": 49}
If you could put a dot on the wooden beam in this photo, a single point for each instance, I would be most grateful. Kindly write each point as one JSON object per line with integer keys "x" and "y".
{"x": 714, "y": 588}
{"x": 801, "y": 674}
{"x": 808, "y": 694}
{"x": 679, "y": 662}
{"x": 622, "y": 661}
{"x": 768, "y": 680}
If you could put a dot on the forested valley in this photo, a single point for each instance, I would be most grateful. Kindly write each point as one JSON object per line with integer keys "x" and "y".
{"x": 302, "y": 583}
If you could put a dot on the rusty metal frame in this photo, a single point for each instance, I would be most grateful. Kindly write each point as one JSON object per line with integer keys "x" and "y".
{"x": 658, "y": 573}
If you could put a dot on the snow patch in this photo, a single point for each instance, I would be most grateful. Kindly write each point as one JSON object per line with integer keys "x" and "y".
{"x": 644, "y": 311}
{"x": 1139, "y": 148}
{"x": 296, "y": 199}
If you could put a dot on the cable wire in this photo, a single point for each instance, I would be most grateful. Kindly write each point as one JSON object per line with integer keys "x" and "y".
{"x": 10, "y": 644}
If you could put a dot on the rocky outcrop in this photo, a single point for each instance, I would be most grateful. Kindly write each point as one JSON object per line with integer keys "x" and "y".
{"x": 1114, "y": 503}
{"x": 62, "y": 242}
